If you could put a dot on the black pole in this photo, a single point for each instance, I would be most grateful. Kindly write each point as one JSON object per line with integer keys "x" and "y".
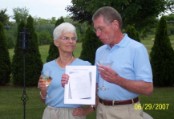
{"x": 24, "y": 98}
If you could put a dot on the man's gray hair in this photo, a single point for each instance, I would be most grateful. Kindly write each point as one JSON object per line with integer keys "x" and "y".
{"x": 63, "y": 28}
{"x": 109, "y": 14}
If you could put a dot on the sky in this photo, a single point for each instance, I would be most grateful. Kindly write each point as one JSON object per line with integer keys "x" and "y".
{"x": 38, "y": 8}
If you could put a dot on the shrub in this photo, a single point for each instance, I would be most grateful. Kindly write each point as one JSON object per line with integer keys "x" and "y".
{"x": 89, "y": 45}
{"x": 4, "y": 58}
{"x": 132, "y": 33}
{"x": 28, "y": 57}
{"x": 162, "y": 57}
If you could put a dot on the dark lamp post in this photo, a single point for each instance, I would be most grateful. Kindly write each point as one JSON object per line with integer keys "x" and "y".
{"x": 23, "y": 45}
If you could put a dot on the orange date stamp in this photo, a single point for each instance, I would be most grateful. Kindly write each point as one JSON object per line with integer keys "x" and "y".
{"x": 150, "y": 106}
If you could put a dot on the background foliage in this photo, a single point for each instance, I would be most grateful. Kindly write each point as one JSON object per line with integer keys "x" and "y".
{"x": 141, "y": 13}
{"x": 89, "y": 45}
{"x": 28, "y": 57}
{"x": 5, "y": 65}
{"x": 132, "y": 32}
{"x": 162, "y": 57}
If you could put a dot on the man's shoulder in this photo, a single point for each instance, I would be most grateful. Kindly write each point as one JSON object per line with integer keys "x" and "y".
{"x": 135, "y": 43}
{"x": 101, "y": 48}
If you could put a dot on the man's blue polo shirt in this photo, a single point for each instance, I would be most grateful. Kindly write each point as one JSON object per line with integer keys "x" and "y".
{"x": 130, "y": 60}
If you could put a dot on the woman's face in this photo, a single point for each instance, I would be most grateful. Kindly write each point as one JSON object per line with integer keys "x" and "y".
{"x": 66, "y": 42}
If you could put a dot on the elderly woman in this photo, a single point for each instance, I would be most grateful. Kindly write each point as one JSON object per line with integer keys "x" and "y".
{"x": 65, "y": 39}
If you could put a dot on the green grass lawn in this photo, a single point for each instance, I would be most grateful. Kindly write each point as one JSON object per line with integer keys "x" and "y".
{"x": 160, "y": 105}
{"x": 11, "y": 106}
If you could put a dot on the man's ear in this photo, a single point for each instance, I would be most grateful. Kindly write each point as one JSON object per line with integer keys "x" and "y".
{"x": 115, "y": 24}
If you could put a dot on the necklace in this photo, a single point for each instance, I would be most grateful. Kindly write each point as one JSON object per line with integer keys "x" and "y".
{"x": 63, "y": 64}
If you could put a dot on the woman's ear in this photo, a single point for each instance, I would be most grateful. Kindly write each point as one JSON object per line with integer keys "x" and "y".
{"x": 56, "y": 43}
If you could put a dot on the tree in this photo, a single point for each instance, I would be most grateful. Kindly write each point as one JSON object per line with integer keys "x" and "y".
{"x": 44, "y": 37}
{"x": 141, "y": 13}
{"x": 88, "y": 50}
{"x": 4, "y": 18}
{"x": 162, "y": 57}
{"x": 170, "y": 5}
{"x": 11, "y": 33}
{"x": 20, "y": 14}
{"x": 44, "y": 30}
{"x": 5, "y": 68}
{"x": 132, "y": 32}
{"x": 170, "y": 17}
{"x": 170, "y": 21}
{"x": 17, "y": 62}
{"x": 33, "y": 63}
{"x": 53, "y": 51}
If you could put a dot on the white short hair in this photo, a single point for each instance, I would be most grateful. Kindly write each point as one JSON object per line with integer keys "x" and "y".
{"x": 63, "y": 28}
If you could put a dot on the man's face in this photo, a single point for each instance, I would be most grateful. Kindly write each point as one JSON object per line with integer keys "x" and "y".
{"x": 104, "y": 30}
